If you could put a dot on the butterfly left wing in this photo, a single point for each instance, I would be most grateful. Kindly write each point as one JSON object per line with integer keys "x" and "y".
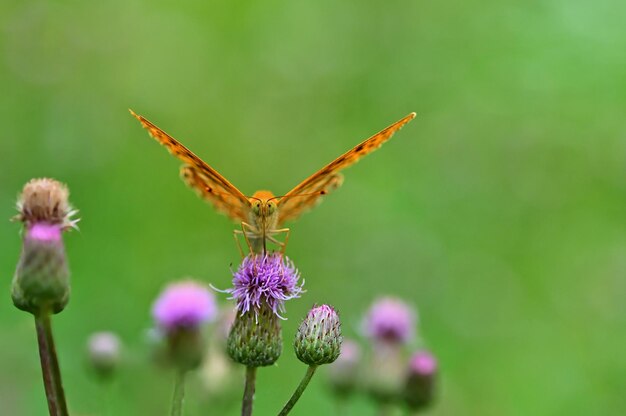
{"x": 213, "y": 192}
{"x": 292, "y": 205}
{"x": 200, "y": 176}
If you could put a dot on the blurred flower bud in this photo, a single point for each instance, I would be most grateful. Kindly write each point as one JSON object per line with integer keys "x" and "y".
{"x": 390, "y": 321}
{"x": 255, "y": 339}
{"x": 318, "y": 340}
{"x": 103, "y": 350}
{"x": 343, "y": 374}
{"x": 179, "y": 312}
{"x": 42, "y": 278}
{"x": 420, "y": 380}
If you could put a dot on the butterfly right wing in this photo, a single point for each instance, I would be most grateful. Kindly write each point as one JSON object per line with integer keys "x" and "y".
{"x": 292, "y": 205}
{"x": 207, "y": 182}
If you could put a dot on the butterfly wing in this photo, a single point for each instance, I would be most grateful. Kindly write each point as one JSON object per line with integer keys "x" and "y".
{"x": 328, "y": 178}
{"x": 213, "y": 192}
{"x": 201, "y": 177}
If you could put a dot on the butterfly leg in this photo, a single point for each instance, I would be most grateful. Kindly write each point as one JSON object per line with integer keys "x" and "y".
{"x": 283, "y": 244}
{"x": 249, "y": 231}
{"x": 236, "y": 233}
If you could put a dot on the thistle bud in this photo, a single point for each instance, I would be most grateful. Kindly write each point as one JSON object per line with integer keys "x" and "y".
{"x": 318, "y": 340}
{"x": 420, "y": 381}
{"x": 42, "y": 276}
{"x": 103, "y": 351}
{"x": 255, "y": 339}
{"x": 179, "y": 312}
{"x": 343, "y": 374}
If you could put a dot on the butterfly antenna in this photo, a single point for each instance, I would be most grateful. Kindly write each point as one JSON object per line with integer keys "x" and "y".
{"x": 322, "y": 192}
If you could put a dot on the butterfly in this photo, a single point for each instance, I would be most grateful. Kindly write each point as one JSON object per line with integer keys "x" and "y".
{"x": 263, "y": 215}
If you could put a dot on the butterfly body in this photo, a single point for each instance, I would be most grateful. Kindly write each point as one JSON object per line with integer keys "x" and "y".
{"x": 262, "y": 219}
{"x": 262, "y": 215}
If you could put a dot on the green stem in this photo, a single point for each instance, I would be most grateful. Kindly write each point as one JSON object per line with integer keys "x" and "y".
{"x": 53, "y": 385}
{"x": 179, "y": 393}
{"x": 296, "y": 394}
{"x": 385, "y": 409}
{"x": 248, "y": 392}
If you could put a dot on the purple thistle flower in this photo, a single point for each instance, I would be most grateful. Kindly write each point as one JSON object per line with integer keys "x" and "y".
{"x": 185, "y": 304}
{"x": 390, "y": 321}
{"x": 269, "y": 279}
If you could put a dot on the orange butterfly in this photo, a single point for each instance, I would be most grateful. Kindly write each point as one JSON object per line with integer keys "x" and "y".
{"x": 262, "y": 214}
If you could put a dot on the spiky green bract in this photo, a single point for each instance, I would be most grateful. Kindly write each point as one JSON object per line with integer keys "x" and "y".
{"x": 42, "y": 278}
{"x": 318, "y": 340}
{"x": 255, "y": 339}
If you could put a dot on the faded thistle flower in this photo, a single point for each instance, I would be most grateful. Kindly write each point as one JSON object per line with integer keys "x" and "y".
{"x": 42, "y": 278}
{"x": 179, "y": 312}
{"x": 390, "y": 324}
{"x": 390, "y": 321}
{"x": 343, "y": 374}
{"x": 318, "y": 340}
{"x": 261, "y": 286}
{"x": 103, "y": 352}
{"x": 420, "y": 381}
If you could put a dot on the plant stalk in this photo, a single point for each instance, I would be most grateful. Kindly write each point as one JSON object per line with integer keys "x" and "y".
{"x": 301, "y": 387}
{"x": 179, "y": 393}
{"x": 248, "y": 392}
{"x": 51, "y": 372}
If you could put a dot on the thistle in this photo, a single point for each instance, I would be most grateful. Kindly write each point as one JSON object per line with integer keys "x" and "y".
{"x": 42, "y": 278}
{"x": 390, "y": 321}
{"x": 318, "y": 340}
{"x": 343, "y": 374}
{"x": 261, "y": 285}
{"x": 41, "y": 284}
{"x": 103, "y": 352}
{"x": 420, "y": 381}
{"x": 179, "y": 313}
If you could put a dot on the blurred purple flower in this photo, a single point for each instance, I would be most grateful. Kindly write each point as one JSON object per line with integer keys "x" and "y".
{"x": 390, "y": 320}
{"x": 423, "y": 363}
{"x": 420, "y": 382}
{"x": 269, "y": 279}
{"x": 185, "y": 304}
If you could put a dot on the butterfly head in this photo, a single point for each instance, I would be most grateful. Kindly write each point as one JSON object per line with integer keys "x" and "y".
{"x": 263, "y": 209}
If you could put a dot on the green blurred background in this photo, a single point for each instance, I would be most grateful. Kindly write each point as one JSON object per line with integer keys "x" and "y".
{"x": 498, "y": 212}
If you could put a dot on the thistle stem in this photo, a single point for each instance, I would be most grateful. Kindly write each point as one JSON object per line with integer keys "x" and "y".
{"x": 301, "y": 387}
{"x": 385, "y": 409}
{"x": 248, "y": 392}
{"x": 51, "y": 372}
{"x": 179, "y": 393}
